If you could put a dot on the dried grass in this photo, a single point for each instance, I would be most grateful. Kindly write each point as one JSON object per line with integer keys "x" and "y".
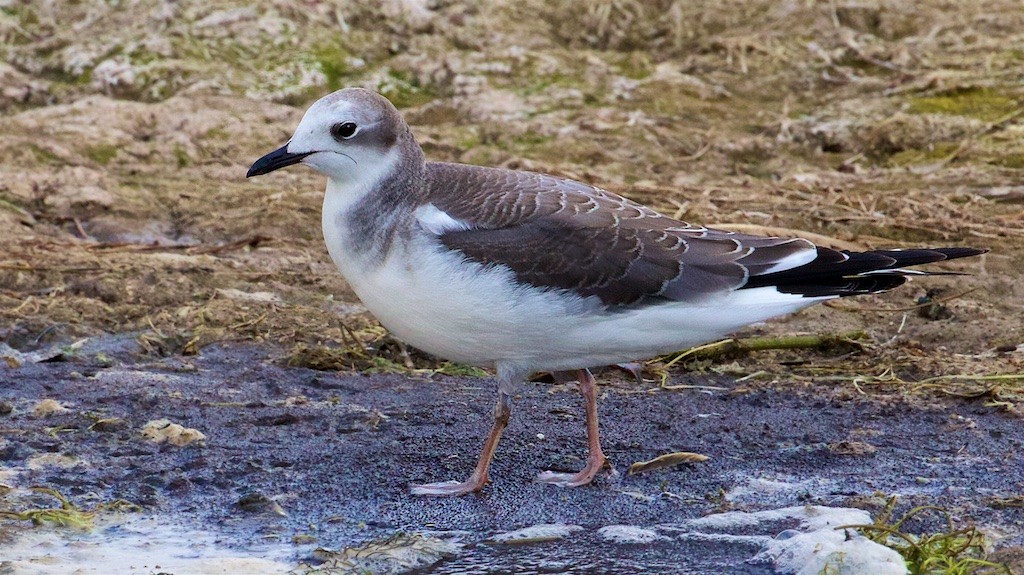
{"x": 858, "y": 124}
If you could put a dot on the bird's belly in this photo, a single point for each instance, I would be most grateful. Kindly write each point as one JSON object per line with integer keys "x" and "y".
{"x": 668, "y": 326}
{"x": 438, "y": 302}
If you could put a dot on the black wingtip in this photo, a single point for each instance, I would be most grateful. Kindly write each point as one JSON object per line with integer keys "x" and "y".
{"x": 859, "y": 273}
{"x": 918, "y": 256}
{"x": 954, "y": 253}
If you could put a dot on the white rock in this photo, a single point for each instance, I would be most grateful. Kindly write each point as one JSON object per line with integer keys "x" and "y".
{"x": 628, "y": 534}
{"x": 816, "y": 546}
{"x": 537, "y": 533}
{"x": 162, "y": 430}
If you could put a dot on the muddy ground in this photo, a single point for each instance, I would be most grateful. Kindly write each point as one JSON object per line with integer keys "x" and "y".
{"x": 336, "y": 452}
{"x": 130, "y": 238}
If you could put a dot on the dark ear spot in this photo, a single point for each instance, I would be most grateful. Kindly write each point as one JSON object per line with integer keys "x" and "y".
{"x": 344, "y": 130}
{"x": 390, "y": 135}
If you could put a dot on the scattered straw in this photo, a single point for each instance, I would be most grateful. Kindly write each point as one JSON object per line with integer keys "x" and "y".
{"x": 956, "y": 550}
{"x": 667, "y": 460}
{"x": 68, "y": 514}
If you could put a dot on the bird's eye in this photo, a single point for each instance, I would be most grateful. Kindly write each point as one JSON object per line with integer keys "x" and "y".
{"x": 344, "y": 130}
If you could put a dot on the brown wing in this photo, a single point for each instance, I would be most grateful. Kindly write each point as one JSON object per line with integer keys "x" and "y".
{"x": 560, "y": 234}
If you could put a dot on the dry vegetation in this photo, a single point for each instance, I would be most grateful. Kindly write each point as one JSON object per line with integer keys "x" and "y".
{"x": 128, "y": 128}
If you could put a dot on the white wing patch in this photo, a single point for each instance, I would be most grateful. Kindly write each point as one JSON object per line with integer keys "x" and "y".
{"x": 795, "y": 260}
{"x": 437, "y": 221}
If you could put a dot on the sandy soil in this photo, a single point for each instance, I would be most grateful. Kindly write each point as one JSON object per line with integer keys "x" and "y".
{"x": 125, "y": 216}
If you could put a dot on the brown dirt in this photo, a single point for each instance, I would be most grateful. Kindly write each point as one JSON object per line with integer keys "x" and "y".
{"x": 124, "y": 206}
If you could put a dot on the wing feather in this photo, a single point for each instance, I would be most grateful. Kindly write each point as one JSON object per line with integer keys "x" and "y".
{"x": 560, "y": 234}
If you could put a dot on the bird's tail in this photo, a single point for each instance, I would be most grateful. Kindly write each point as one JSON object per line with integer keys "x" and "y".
{"x": 844, "y": 273}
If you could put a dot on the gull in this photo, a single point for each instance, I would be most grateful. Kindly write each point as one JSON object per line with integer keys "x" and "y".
{"x": 523, "y": 272}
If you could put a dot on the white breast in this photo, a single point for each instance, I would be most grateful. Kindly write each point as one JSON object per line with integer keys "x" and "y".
{"x": 436, "y": 301}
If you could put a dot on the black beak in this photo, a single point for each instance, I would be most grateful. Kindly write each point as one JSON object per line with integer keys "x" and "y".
{"x": 275, "y": 160}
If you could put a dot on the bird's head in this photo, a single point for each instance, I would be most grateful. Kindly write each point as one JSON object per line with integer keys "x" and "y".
{"x": 345, "y": 135}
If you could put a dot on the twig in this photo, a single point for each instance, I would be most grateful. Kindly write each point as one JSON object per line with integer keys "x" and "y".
{"x": 664, "y": 387}
{"x": 727, "y": 347}
{"x": 63, "y": 270}
{"x": 696, "y": 155}
{"x": 888, "y": 376}
{"x": 841, "y": 307}
{"x": 190, "y": 248}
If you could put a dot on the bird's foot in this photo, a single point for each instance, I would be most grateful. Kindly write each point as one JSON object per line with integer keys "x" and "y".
{"x": 593, "y": 467}
{"x": 449, "y": 488}
{"x": 632, "y": 368}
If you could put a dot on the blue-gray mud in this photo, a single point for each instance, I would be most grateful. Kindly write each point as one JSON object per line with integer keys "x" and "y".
{"x": 338, "y": 451}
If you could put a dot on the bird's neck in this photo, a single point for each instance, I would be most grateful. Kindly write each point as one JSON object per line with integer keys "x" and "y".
{"x": 362, "y": 216}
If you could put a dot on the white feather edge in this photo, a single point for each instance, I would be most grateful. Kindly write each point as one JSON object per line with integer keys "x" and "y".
{"x": 800, "y": 258}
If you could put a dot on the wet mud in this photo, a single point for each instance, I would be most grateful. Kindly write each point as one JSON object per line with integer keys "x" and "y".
{"x": 336, "y": 452}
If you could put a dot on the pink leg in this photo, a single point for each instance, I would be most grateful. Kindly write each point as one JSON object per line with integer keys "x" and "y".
{"x": 595, "y": 459}
{"x": 478, "y": 478}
